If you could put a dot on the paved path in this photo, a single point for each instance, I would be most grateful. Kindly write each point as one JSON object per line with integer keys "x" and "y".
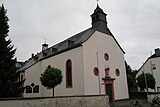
{"x": 130, "y": 103}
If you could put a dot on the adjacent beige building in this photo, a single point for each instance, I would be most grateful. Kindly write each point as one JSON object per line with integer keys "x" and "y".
{"x": 92, "y": 63}
{"x": 152, "y": 66}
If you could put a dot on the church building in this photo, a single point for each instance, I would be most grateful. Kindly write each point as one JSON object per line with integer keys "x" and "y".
{"x": 92, "y": 63}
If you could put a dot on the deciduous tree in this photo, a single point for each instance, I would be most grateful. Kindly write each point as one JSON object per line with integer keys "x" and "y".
{"x": 149, "y": 80}
{"x": 131, "y": 77}
{"x": 51, "y": 77}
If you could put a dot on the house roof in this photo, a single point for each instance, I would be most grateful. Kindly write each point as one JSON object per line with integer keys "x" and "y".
{"x": 68, "y": 44}
{"x": 72, "y": 42}
{"x": 154, "y": 56}
{"x": 150, "y": 57}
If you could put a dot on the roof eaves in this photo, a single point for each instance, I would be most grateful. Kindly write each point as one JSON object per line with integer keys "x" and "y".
{"x": 153, "y": 56}
{"x": 63, "y": 46}
{"x": 59, "y": 52}
{"x": 142, "y": 65}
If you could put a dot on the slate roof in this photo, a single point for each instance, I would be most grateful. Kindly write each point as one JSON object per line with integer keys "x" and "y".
{"x": 153, "y": 56}
{"x": 70, "y": 43}
{"x": 98, "y": 9}
{"x": 150, "y": 57}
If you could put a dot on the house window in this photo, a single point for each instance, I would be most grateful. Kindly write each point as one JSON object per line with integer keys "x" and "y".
{"x": 35, "y": 57}
{"x": 28, "y": 89}
{"x": 117, "y": 72}
{"x": 96, "y": 71}
{"x": 69, "y": 74}
{"x": 32, "y": 88}
{"x": 153, "y": 66}
{"x": 45, "y": 52}
{"x": 70, "y": 42}
{"x": 106, "y": 56}
{"x": 107, "y": 72}
{"x": 54, "y": 49}
{"x": 36, "y": 89}
{"x": 32, "y": 85}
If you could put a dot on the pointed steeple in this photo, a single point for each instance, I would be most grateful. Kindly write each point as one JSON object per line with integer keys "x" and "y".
{"x": 99, "y": 17}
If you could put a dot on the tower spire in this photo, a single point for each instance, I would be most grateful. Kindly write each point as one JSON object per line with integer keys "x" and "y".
{"x": 99, "y": 20}
{"x": 98, "y": 17}
{"x": 97, "y": 2}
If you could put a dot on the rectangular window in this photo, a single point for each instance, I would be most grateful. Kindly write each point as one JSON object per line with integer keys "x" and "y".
{"x": 153, "y": 66}
{"x": 36, "y": 89}
{"x": 28, "y": 89}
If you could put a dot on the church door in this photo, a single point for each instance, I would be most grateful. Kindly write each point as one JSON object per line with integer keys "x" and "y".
{"x": 109, "y": 88}
{"x": 109, "y": 92}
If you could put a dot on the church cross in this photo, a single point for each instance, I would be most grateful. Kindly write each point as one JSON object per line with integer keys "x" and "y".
{"x": 97, "y": 1}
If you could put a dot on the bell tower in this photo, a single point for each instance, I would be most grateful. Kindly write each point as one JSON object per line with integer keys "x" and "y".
{"x": 99, "y": 17}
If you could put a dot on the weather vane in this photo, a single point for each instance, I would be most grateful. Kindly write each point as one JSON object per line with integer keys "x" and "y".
{"x": 45, "y": 41}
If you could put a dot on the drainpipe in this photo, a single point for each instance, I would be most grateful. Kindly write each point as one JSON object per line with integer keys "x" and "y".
{"x": 98, "y": 74}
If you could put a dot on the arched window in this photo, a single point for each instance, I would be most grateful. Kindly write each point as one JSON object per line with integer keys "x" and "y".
{"x": 107, "y": 72}
{"x": 69, "y": 74}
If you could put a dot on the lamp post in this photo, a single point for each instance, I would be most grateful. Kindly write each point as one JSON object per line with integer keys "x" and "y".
{"x": 145, "y": 79}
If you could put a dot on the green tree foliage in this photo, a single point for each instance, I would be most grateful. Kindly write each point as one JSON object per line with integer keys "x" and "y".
{"x": 51, "y": 77}
{"x": 131, "y": 77}
{"x": 9, "y": 87}
{"x": 128, "y": 68}
{"x": 131, "y": 82}
{"x": 149, "y": 79}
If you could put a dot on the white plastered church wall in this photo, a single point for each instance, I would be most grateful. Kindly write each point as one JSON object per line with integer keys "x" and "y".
{"x": 59, "y": 61}
{"x": 103, "y": 43}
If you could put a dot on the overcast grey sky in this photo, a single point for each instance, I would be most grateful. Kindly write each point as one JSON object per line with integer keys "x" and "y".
{"x": 134, "y": 23}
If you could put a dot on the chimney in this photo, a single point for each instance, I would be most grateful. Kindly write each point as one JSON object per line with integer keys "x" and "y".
{"x": 157, "y": 52}
{"x": 32, "y": 55}
{"x": 44, "y": 46}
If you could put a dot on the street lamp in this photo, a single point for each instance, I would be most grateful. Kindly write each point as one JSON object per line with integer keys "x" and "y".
{"x": 145, "y": 79}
